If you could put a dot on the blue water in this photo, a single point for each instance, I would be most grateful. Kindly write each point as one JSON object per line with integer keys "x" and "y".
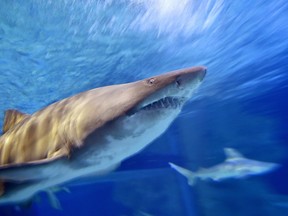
{"x": 53, "y": 49}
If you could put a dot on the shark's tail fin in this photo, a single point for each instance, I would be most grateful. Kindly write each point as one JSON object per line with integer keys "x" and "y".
{"x": 191, "y": 176}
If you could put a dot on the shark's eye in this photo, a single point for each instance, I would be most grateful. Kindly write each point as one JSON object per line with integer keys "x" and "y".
{"x": 151, "y": 81}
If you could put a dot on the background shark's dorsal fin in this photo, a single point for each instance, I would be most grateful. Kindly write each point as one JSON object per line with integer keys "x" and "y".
{"x": 232, "y": 154}
{"x": 12, "y": 117}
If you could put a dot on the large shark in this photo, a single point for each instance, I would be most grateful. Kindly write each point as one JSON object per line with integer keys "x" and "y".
{"x": 235, "y": 166}
{"x": 89, "y": 133}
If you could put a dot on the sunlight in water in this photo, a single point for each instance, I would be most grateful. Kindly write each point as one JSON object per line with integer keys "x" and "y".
{"x": 177, "y": 17}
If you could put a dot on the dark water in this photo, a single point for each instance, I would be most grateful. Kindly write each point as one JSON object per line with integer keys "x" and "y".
{"x": 52, "y": 49}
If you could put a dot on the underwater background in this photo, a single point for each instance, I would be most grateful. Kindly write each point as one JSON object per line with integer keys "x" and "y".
{"x": 50, "y": 50}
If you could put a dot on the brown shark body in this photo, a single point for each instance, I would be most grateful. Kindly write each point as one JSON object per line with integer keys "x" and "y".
{"x": 58, "y": 131}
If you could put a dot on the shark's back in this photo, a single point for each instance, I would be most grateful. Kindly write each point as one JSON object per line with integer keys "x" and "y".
{"x": 36, "y": 137}
{"x": 50, "y": 133}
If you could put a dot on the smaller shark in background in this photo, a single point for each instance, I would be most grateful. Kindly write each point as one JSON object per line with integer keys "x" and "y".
{"x": 235, "y": 166}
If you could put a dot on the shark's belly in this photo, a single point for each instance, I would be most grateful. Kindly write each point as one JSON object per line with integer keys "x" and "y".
{"x": 105, "y": 149}
{"x": 89, "y": 162}
{"x": 100, "y": 155}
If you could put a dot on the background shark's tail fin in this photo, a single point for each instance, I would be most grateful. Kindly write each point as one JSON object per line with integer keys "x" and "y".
{"x": 191, "y": 176}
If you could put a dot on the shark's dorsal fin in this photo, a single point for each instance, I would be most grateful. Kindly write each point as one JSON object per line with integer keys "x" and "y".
{"x": 232, "y": 154}
{"x": 12, "y": 117}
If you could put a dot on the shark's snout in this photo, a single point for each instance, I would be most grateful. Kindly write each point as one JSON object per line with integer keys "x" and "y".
{"x": 192, "y": 75}
{"x": 188, "y": 80}
{"x": 202, "y": 74}
{"x": 176, "y": 88}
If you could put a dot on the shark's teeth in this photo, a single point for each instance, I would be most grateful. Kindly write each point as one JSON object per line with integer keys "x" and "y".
{"x": 163, "y": 103}
{"x": 167, "y": 102}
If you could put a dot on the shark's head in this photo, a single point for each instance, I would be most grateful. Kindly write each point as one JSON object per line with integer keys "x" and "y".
{"x": 167, "y": 95}
{"x": 150, "y": 107}
{"x": 252, "y": 167}
{"x": 167, "y": 92}
{"x": 154, "y": 98}
{"x": 141, "y": 111}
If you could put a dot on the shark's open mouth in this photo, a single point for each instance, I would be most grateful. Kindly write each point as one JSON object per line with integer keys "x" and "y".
{"x": 163, "y": 103}
{"x": 167, "y": 102}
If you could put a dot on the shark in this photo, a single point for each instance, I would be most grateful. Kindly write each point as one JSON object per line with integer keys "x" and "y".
{"x": 88, "y": 134}
{"x": 235, "y": 166}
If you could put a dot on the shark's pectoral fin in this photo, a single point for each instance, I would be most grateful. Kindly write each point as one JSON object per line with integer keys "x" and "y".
{"x": 51, "y": 195}
{"x": 53, "y": 200}
{"x": 12, "y": 117}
